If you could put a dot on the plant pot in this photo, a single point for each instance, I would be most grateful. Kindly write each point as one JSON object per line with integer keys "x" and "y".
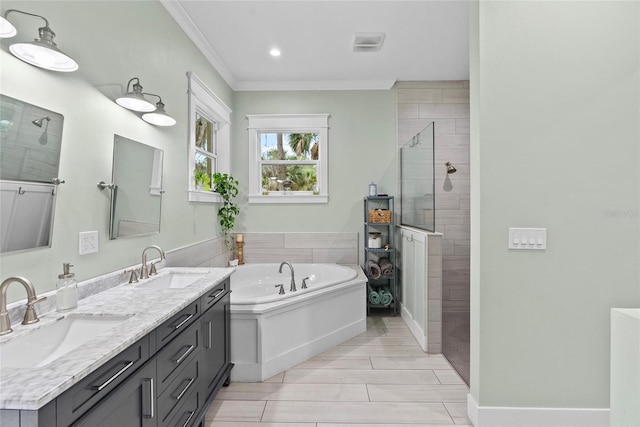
{"x": 233, "y": 263}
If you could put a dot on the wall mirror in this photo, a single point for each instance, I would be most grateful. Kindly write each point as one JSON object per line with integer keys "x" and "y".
{"x": 137, "y": 189}
{"x": 417, "y": 180}
{"x": 30, "y": 142}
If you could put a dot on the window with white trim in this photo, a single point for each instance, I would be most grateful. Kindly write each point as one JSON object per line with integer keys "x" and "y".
{"x": 209, "y": 140}
{"x": 288, "y": 158}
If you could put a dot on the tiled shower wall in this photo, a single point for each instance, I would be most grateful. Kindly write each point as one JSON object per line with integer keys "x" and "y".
{"x": 447, "y": 104}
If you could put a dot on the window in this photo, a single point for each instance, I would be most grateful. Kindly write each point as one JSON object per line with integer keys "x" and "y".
{"x": 209, "y": 140}
{"x": 288, "y": 158}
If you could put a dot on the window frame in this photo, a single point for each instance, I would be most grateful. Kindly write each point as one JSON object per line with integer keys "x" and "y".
{"x": 288, "y": 123}
{"x": 203, "y": 102}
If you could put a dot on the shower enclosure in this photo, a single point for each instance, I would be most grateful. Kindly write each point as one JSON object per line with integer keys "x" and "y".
{"x": 417, "y": 190}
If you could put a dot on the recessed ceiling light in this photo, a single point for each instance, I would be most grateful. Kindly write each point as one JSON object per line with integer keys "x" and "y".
{"x": 275, "y": 52}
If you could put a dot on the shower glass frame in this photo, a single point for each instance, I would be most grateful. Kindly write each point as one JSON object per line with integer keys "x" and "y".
{"x": 417, "y": 180}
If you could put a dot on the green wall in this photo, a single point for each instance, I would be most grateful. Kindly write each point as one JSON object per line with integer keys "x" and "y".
{"x": 362, "y": 137}
{"x": 555, "y": 144}
{"x": 112, "y": 42}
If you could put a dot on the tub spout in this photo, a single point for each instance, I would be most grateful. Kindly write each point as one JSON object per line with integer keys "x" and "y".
{"x": 293, "y": 279}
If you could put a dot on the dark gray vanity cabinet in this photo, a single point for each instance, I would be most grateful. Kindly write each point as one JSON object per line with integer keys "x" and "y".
{"x": 166, "y": 379}
{"x": 131, "y": 405}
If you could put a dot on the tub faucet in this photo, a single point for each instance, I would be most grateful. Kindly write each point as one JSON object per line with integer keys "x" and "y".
{"x": 293, "y": 278}
{"x": 30, "y": 315}
{"x": 144, "y": 273}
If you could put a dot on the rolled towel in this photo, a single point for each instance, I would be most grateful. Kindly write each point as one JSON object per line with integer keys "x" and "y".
{"x": 374, "y": 297}
{"x": 373, "y": 269}
{"x": 386, "y": 268}
{"x": 385, "y": 295}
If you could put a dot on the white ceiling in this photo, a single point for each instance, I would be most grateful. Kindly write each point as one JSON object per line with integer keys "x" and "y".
{"x": 424, "y": 40}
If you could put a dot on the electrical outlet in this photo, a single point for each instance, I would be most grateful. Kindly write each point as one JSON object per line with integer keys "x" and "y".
{"x": 88, "y": 242}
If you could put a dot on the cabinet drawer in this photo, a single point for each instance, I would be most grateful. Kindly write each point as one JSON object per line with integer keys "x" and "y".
{"x": 177, "y": 323}
{"x": 212, "y": 296}
{"x": 180, "y": 389}
{"x": 90, "y": 390}
{"x": 177, "y": 354}
{"x": 186, "y": 414}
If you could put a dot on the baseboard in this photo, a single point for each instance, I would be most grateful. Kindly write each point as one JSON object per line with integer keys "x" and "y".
{"x": 494, "y": 416}
{"x": 413, "y": 326}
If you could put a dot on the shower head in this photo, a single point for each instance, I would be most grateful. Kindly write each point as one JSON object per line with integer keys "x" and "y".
{"x": 38, "y": 122}
{"x": 450, "y": 168}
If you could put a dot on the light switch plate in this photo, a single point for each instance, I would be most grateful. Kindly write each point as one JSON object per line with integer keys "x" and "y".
{"x": 528, "y": 238}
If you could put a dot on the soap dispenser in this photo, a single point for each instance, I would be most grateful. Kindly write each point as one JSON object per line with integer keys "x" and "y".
{"x": 66, "y": 289}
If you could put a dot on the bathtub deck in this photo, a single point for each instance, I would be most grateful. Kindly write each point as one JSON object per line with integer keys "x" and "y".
{"x": 381, "y": 377}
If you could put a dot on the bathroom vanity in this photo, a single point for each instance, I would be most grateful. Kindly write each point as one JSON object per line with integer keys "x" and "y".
{"x": 160, "y": 366}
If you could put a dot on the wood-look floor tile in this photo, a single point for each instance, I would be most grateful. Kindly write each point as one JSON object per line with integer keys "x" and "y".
{"x": 422, "y": 361}
{"x": 254, "y": 424}
{"x": 294, "y": 392}
{"x": 277, "y": 378}
{"x": 374, "y": 351}
{"x": 456, "y": 409}
{"x": 448, "y": 376}
{"x": 381, "y": 425}
{"x": 229, "y": 410}
{"x": 323, "y": 362}
{"x": 417, "y": 393}
{"x": 374, "y": 332}
{"x": 356, "y": 412}
{"x": 384, "y": 341}
{"x": 352, "y": 376}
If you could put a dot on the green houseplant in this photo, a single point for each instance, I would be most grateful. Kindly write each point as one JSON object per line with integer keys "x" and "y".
{"x": 202, "y": 180}
{"x": 227, "y": 187}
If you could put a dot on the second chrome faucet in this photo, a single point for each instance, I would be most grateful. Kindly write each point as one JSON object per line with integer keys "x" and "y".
{"x": 293, "y": 279}
{"x": 144, "y": 272}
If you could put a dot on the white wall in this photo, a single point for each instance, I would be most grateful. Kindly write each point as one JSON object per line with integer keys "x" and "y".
{"x": 112, "y": 42}
{"x": 555, "y": 113}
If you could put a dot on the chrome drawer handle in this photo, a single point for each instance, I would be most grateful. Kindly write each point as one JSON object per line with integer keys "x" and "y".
{"x": 185, "y": 354}
{"x": 208, "y": 345}
{"x": 191, "y": 414}
{"x": 116, "y": 375}
{"x": 151, "y": 395}
{"x": 179, "y": 325}
{"x": 184, "y": 390}
{"x": 214, "y": 296}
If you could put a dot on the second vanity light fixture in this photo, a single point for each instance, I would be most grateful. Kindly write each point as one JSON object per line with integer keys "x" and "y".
{"x": 43, "y": 52}
{"x": 134, "y": 100}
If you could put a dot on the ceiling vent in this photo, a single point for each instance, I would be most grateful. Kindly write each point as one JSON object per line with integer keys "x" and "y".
{"x": 367, "y": 42}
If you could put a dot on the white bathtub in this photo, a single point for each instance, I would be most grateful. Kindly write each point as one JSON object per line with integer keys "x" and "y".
{"x": 271, "y": 333}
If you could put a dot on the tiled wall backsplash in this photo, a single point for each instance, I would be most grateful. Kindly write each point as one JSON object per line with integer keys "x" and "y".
{"x": 447, "y": 104}
{"x": 340, "y": 248}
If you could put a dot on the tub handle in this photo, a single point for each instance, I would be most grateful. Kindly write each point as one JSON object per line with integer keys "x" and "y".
{"x": 304, "y": 283}
{"x": 281, "y": 292}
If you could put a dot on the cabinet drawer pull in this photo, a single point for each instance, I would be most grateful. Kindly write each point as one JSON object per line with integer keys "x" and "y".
{"x": 208, "y": 344}
{"x": 151, "y": 413}
{"x": 116, "y": 375}
{"x": 179, "y": 325}
{"x": 179, "y": 360}
{"x": 217, "y": 293}
{"x": 178, "y": 396}
{"x": 191, "y": 414}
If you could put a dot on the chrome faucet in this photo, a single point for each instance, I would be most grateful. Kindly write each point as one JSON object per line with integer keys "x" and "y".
{"x": 293, "y": 279}
{"x": 144, "y": 273}
{"x": 30, "y": 315}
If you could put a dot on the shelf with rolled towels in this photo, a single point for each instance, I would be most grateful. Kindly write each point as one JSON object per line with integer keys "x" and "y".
{"x": 378, "y": 269}
{"x": 380, "y": 295}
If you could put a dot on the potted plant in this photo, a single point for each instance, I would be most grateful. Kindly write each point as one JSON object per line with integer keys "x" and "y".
{"x": 227, "y": 187}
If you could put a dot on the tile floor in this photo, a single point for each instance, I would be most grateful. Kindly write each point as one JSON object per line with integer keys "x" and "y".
{"x": 380, "y": 378}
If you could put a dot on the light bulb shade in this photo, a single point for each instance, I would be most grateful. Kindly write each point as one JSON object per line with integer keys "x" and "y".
{"x": 135, "y": 100}
{"x": 159, "y": 117}
{"x": 44, "y": 53}
{"x": 6, "y": 29}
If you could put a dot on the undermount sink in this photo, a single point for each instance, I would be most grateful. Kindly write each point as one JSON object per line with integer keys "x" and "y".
{"x": 172, "y": 280}
{"x": 38, "y": 348}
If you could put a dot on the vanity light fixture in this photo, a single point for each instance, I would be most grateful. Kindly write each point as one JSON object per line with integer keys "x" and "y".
{"x": 275, "y": 52}
{"x": 135, "y": 100}
{"x": 158, "y": 117}
{"x": 41, "y": 52}
{"x": 6, "y": 29}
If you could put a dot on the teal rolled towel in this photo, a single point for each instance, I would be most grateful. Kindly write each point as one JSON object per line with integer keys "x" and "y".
{"x": 374, "y": 297}
{"x": 385, "y": 295}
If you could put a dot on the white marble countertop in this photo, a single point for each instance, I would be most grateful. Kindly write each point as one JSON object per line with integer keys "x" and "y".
{"x": 31, "y": 389}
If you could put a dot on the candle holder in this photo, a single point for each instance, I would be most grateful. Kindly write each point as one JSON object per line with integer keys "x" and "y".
{"x": 240, "y": 254}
